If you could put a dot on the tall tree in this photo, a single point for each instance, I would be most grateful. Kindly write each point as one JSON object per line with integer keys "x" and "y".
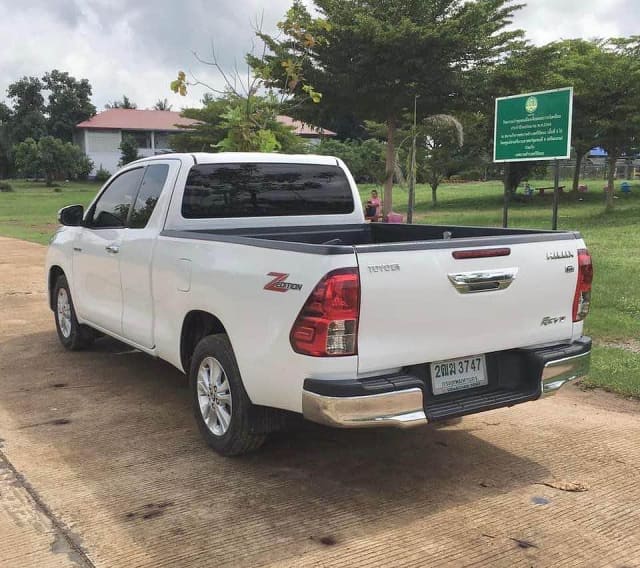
{"x": 27, "y": 116}
{"x": 374, "y": 56}
{"x": 124, "y": 103}
{"x": 5, "y": 141}
{"x": 69, "y": 103}
{"x": 618, "y": 125}
{"x": 582, "y": 64}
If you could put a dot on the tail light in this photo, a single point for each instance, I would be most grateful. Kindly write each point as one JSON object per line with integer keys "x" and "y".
{"x": 327, "y": 325}
{"x": 582, "y": 298}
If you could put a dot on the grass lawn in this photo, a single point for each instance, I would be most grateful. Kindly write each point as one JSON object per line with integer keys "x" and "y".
{"x": 613, "y": 239}
{"x": 30, "y": 211}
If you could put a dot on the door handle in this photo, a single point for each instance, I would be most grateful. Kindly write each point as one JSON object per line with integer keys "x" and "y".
{"x": 483, "y": 280}
{"x": 113, "y": 249}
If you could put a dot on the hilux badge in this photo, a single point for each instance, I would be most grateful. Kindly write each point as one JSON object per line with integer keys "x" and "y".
{"x": 559, "y": 254}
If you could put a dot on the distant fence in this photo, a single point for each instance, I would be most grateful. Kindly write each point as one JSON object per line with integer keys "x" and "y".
{"x": 590, "y": 170}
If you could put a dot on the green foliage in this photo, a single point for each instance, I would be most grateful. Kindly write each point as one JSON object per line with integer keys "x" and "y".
{"x": 237, "y": 124}
{"x": 102, "y": 174}
{"x": 125, "y": 102}
{"x": 27, "y": 158}
{"x": 202, "y": 137}
{"x": 129, "y": 150}
{"x": 372, "y": 57}
{"x": 27, "y": 118}
{"x": 618, "y": 123}
{"x": 162, "y": 104}
{"x": 84, "y": 166}
{"x": 50, "y": 158}
{"x": 69, "y": 102}
{"x": 365, "y": 159}
{"x": 5, "y": 187}
{"x": 441, "y": 157}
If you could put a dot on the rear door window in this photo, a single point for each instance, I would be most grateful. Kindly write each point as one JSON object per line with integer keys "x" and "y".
{"x": 152, "y": 183}
{"x": 265, "y": 190}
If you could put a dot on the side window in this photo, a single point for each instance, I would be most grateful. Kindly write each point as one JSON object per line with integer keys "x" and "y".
{"x": 152, "y": 184}
{"x": 112, "y": 207}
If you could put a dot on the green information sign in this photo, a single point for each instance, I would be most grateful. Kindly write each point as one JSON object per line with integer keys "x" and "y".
{"x": 533, "y": 126}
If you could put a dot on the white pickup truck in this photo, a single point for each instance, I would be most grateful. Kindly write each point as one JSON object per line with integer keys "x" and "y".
{"x": 257, "y": 275}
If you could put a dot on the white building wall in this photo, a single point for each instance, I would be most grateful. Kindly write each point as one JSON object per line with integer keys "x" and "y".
{"x": 102, "y": 148}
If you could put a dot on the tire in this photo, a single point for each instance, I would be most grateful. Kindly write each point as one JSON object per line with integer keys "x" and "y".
{"x": 221, "y": 406}
{"x": 72, "y": 335}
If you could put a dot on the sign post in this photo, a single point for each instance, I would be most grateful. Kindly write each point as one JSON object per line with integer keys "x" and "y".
{"x": 531, "y": 127}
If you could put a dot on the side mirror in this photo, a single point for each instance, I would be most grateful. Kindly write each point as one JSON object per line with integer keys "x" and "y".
{"x": 71, "y": 216}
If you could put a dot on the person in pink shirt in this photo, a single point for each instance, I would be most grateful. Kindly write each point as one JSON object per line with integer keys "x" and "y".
{"x": 372, "y": 208}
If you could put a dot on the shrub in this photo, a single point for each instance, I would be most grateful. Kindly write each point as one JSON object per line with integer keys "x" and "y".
{"x": 365, "y": 160}
{"x": 84, "y": 167}
{"x": 129, "y": 149}
{"x": 50, "y": 158}
{"x": 102, "y": 175}
{"x": 5, "y": 187}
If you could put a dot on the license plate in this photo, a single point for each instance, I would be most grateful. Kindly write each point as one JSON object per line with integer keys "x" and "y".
{"x": 458, "y": 374}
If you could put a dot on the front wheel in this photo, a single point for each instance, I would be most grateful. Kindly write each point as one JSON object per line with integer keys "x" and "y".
{"x": 72, "y": 335}
{"x": 221, "y": 406}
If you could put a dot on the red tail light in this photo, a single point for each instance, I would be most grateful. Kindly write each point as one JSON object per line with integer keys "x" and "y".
{"x": 582, "y": 298}
{"x": 327, "y": 325}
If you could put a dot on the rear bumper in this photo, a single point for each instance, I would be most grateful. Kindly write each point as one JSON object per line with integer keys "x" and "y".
{"x": 402, "y": 400}
{"x": 402, "y": 409}
{"x": 574, "y": 365}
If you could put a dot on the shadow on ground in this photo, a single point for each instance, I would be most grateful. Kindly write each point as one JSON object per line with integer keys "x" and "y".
{"x": 121, "y": 425}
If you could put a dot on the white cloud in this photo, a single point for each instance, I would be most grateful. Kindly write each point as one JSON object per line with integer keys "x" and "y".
{"x": 137, "y": 48}
{"x": 549, "y": 20}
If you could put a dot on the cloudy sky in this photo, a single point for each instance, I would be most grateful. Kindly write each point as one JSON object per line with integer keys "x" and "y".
{"x": 136, "y": 48}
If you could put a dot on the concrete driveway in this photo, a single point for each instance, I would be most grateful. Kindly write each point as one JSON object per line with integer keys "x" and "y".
{"x": 101, "y": 465}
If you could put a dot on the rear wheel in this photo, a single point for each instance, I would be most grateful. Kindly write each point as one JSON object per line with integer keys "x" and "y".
{"x": 72, "y": 335}
{"x": 221, "y": 406}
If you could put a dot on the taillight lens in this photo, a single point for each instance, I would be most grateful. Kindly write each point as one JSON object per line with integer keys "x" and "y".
{"x": 582, "y": 298}
{"x": 327, "y": 325}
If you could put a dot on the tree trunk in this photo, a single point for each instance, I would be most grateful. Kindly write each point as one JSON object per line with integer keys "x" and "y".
{"x": 576, "y": 171}
{"x": 434, "y": 196}
{"x": 387, "y": 205}
{"x": 610, "y": 188}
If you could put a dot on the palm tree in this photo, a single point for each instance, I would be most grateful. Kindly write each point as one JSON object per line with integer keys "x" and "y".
{"x": 162, "y": 104}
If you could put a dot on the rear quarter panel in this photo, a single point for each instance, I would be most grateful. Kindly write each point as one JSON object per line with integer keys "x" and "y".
{"x": 228, "y": 280}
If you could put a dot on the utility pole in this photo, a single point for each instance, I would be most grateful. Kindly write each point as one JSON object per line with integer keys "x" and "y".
{"x": 412, "y": 167}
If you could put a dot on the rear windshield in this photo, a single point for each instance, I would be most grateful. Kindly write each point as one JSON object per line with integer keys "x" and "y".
{"x": 265, "y": 190}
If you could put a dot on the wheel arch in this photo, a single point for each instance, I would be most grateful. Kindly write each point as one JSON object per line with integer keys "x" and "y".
{"x": 55, "y": 272}
{"x": 196, "y": 325}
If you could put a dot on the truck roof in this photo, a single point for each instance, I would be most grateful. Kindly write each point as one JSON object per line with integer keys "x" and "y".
{"x": 232, "y": 157}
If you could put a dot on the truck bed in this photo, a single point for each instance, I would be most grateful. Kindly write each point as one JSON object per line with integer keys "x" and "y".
{"x": 370, "y": 237}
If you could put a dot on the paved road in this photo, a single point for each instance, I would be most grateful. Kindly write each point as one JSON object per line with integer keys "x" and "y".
{"x": 101, "y": 465}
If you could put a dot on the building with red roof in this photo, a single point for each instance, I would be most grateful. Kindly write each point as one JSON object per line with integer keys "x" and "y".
{"x": 101, "y": 135}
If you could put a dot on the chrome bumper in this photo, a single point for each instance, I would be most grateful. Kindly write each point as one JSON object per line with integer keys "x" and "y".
{"x": 399, "y": 400}
{"x": 402, "y": 409}
{"x": 556, "y": 374}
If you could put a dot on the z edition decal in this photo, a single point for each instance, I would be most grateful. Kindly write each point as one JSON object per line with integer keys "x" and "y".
{"x": 280, "y": 284}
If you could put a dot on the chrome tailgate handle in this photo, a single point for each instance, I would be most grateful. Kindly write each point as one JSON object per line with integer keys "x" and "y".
{"x": 112, "y": 248}
{"x": 483, "y": 280}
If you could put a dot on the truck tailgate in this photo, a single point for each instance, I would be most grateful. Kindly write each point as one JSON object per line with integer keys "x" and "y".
{"x": 423, "y": 305}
